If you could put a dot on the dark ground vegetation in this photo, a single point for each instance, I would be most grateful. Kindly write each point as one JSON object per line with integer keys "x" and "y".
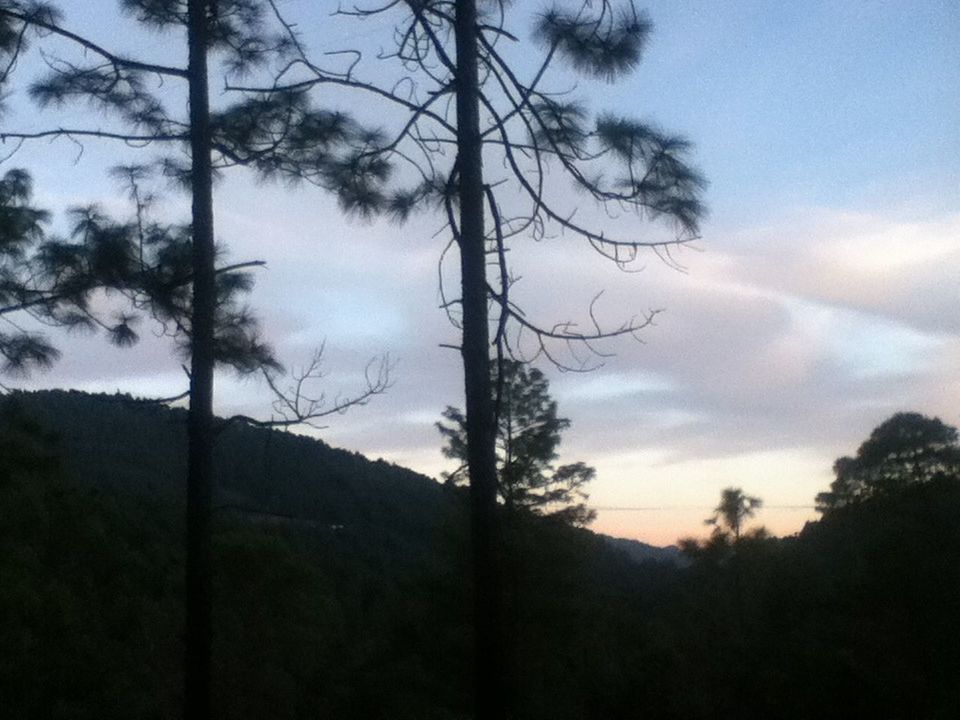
{"x": 340, "y": 591}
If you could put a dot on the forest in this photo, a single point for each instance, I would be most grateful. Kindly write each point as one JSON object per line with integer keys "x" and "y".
{"x": 341, "y": 587}
{"x": 159, "y": 561}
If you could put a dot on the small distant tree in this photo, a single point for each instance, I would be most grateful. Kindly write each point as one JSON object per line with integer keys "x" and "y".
{"x": 907, "y": 449}
{"x": 735, "y": 508}
{"x": 528, "y": 434}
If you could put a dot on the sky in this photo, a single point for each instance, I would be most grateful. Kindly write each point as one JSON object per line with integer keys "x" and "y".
{"x": 821, "y": 298}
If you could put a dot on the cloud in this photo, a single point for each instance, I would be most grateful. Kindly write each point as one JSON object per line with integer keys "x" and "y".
{"x": 903, "y": 271}
{"x": 773, "y": 341}
{"x": 599, "y": 388}
{"x": 779, "y": 339}
{"x": 800, "y": 336}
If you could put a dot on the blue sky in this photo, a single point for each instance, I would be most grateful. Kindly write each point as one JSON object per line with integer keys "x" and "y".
{"x": 811, "y": 103}
{"x": 822, "y": 297}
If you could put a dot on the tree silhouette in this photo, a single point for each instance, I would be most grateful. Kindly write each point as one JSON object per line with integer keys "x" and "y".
{"x": 131, "y": 91}
{"x": 734, "y": 509}
{"x": 906, "y": 449}
{"x": 143, "y": 264}
{"x": 528, "y": 434}
{"x": 460, "y": 92}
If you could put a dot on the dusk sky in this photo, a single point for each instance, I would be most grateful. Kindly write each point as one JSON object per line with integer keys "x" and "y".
{"x": 822, "y": 297}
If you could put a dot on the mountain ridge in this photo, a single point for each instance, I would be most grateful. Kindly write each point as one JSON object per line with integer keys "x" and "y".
{"x": 263, "y": 474}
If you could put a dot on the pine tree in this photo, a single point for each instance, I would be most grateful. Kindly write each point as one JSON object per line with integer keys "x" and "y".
{"x": 254, "y": 131}
{"x": 458, "y": 90}
{"x": 734, "y": 509}
{"x": 528, "y": 435}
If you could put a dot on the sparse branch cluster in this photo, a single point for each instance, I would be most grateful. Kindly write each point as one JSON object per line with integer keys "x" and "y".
{"x": 147, "y": 263}
{"x": 529, "y": 130}
{"x": 299, "y": 403}
{"x": 68, "y": 282}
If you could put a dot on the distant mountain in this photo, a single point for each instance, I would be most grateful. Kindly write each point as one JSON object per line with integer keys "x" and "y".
{"x": 641, "y": 552}
{"x": 342, "y": 586}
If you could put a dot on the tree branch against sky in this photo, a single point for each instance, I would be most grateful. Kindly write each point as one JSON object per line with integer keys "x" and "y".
{"x": 110, "y": 275}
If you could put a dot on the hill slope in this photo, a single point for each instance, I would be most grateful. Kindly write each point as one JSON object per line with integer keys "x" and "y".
{"x": 341, "y": 585}
{"x": 266, "y": 475}
{"x": 341, "y": 589}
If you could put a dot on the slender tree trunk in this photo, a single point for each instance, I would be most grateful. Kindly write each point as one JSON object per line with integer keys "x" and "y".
{"x": 198, "y": 632}
{"x": 489, "y": 653}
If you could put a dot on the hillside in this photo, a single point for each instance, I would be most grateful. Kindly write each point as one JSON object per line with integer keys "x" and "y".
{"x": 341, "y": 589}
{"x": 262, "y": 474}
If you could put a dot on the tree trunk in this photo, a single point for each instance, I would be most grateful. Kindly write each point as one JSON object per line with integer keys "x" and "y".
{"x": 489, "y": 685}
{"x": 198, "y": 631}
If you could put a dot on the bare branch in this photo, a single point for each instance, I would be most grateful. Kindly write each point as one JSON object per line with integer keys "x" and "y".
{"x": 115, "y": 60}
{"x": 131, "y": 139}
{"x": 295, "y": 404}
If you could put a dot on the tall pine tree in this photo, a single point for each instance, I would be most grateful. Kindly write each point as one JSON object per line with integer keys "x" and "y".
{"x": 458, "y": 88}
{"x": 254, "y": 130}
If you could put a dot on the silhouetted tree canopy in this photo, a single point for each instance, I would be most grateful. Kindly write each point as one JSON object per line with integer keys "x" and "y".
{"x": 907, "y": 449}
{"x": 734, "y": 509}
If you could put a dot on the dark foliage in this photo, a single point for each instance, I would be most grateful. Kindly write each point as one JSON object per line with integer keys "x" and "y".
{"x": 341, "y": 592}
{"x": 340, "y": 588}
{"x": 907, "y": 449}
{"x": 528, "y": 435}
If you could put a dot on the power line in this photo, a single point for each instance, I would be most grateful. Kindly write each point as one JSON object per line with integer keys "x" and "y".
{"x": 645, "y": 508}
